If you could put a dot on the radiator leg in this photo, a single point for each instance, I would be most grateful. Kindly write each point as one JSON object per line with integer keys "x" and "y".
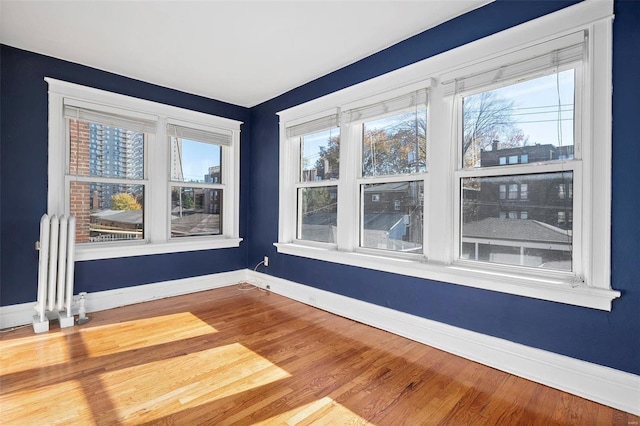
{"x": 40, "y": 326}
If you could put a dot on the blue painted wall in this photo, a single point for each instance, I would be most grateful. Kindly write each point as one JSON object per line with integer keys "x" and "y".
{"x": 610, "y": 339}
{"x": 23, "y": 172}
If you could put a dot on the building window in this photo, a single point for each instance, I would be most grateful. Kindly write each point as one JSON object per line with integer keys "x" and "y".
{"x": 456, "y": 215}
{"x": 107, "y": 157}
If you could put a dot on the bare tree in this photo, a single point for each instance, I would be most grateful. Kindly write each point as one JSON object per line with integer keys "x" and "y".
{"x": 488, "y": 117}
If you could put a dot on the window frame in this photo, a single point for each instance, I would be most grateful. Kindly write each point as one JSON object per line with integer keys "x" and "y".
{"x": 590, "y": 287}
{"x": 157, "y": 178}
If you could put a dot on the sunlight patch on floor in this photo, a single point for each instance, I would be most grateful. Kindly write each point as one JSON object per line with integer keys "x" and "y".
{"x": 141, "y": 333}
{"x": 154, "y": 390}
{"x": 42, "y": 350}
{"x": 60, "y": 403}
{"x": 324, "y": 411}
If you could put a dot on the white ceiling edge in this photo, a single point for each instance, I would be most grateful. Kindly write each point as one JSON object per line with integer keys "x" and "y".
{"x": 240, "y": 52}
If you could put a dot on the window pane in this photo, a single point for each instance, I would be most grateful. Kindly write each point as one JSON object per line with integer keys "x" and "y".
{"x": 531, "y": 121}
{"x": 318, "y": 214}
{"x": 105, "y": 151}
{"x": 107, "y": 212}
{"x": 394, "y": 222}
{"x": 193, "y": 161}
{"x": 195, "y": 211}
{"x": 395, "y": 145}
{"x": 320, "y": 156}
{"x": 541, "y": 238}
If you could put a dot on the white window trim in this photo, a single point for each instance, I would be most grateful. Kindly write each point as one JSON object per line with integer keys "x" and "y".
{"x": 157, "y": 160}
{"x": 440, "y": 243}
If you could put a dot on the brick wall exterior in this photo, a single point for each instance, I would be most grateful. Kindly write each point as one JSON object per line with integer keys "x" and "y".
{"x": 79, "y": 165}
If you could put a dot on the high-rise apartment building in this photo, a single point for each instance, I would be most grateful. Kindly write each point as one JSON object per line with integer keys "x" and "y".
{"x": 113, "y": 153}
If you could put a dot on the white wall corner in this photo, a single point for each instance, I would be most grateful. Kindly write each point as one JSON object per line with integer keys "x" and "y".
{"x": 614, "y": 388}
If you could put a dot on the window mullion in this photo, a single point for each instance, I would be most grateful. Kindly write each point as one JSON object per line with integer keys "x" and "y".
{"x": 348, "y": 191}
{"x": 439, "y": 191}
{"x": 157, "y": 194}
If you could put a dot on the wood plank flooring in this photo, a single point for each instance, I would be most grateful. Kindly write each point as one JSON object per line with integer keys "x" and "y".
{"x": 231, "y": 357}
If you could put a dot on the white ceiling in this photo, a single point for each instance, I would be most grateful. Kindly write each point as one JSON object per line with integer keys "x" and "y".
{"x": 242, "y": 52}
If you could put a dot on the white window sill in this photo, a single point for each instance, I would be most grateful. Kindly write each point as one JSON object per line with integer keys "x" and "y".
{"x": 560, "y": 290}
{"x": 115, "y": 250}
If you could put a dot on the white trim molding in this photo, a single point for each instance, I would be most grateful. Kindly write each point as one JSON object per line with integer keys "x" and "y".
{"x": 16, "y": 315}
{"x": 584, "y": 30}
{"x": 597, "y": 383}
{"x": 594, "y": 382}
{"x": 157, "y": 180}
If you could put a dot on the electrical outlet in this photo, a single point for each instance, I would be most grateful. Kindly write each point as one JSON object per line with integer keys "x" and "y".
{"x": 266, "y": 261}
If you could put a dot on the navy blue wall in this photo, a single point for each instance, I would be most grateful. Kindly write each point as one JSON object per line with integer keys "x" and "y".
{"x": 23, "y": 196}
{"x": 611, "y": 339}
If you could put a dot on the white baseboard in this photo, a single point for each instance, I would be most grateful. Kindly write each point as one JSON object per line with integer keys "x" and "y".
{"x": 604, "y": 385}
{"x": 16, "y": 315}
{"x": 597, "y": 383}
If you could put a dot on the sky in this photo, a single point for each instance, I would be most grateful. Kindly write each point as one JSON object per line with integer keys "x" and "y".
{"x": 536, "y": 107}
{"x": 197, "y": 157}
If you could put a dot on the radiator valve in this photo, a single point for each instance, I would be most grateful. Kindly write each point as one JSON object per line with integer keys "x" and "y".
{"x": 82, "y": 310}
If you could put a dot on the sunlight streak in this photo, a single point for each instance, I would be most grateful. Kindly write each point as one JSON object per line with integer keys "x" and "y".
{"x": 324, "y": 411}
{"x": 142, "y": 333}
{"x": 42, "y": 350}
{"x": 60, "y": 403}
{"x": 173, "y": 385}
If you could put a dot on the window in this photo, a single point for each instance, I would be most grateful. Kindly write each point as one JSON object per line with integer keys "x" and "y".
{"x": 469, "y": 193}
{"x": 318, "y": 145}
{"x": 140, "y": 177}
{"x": 391, "y": 135}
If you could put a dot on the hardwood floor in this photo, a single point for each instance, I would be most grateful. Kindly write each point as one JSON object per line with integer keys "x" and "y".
{"x": 227, "y": 356}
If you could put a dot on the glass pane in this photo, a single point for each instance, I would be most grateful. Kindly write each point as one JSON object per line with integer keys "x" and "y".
{"x": 318, "y": 214}
{"x": 193, "y": 161}
{"x": 392, "y": 216}
{"x": 107, "y": 212}
{"x": 195, "y": 211}
{"x": 395, "y": 145}
{"x": 526, "y": 122}
{"x": 105, "y": 151}
{"x": 540, "y": 238}
{"x": 320, "y": 156}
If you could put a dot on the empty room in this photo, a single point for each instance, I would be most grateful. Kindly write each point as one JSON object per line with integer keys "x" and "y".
{"x": 319, "y": 212}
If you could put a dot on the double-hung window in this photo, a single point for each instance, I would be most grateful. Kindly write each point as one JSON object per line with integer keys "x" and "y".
{"x": 530, "y": 107}
{"x": 141, "y": 177}
{"x": 391, "y": 151}
{"x": 503, "y": 185}
{"x": 317, "y": 148}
